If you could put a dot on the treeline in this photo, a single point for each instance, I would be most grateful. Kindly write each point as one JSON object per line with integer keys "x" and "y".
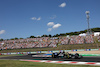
{"x": 72, "y": 33}
{"x": 61, "y": 34}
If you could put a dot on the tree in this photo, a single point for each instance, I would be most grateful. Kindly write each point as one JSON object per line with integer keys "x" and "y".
{"x": 44, "y": 36}
{"x": 96, "y": 29}
{"x": 82, "y": 31}
{"x": 67, "y": 33}
{"x": 85, "y": 31}
{"x": 12, "y": 39}
{"x": 71, "y": 33}
{"x": 50, "y": 35}
{"x": 32, "y": 36}
{"x": 20, "y": 38}
{"x": 16, "y": 38}
{"x": 54, "y": 35}
{"x": 62, "y": 34}
{"x": 1, "y": 39}
{"x": 76, "y": 33}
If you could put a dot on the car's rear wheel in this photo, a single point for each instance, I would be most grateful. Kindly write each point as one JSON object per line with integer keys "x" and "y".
{"x": 53, "y": 56}
{"x": 80, "y": 57}
{"x": 65, "y": 56}
{"x": 73, "y": 57}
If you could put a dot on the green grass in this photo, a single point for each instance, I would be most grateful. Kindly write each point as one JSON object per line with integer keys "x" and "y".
{"x": 17, "y": 63}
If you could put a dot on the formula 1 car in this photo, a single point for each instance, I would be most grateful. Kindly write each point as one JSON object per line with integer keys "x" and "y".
{"x": 66, "y": 55}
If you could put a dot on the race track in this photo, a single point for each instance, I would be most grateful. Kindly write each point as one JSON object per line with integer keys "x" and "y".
{"x": 84, "y": 59}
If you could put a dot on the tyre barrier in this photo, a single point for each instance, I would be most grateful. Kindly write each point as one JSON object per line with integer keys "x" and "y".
{"x": 87, "y": 49}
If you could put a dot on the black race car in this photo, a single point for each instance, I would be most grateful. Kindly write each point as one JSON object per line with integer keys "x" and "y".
{"x": 66, "y": 55}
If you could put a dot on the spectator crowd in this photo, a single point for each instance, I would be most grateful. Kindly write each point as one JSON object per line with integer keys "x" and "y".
{"x": 45, "y": 42}
{"x": 98, "y": 38}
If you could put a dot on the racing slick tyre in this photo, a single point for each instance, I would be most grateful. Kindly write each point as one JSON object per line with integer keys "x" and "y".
{"x": 53, "y": 56}
{"x": 80, "y": 57}
{"x": 76, "y": 56}
{"x": 66, "y": 56}
{"x": 70, "y": 56}
{"x": 73, "y": 57}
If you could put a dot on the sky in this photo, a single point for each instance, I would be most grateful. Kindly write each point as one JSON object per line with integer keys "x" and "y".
{"x": 25, "y": 18}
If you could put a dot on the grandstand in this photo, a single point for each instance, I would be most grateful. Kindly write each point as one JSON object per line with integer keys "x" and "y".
{"x": 46, "y": 42}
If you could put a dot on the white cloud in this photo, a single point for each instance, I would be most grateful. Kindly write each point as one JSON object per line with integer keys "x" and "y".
{"x": 53, "y": 17}
{"x": 2, "y": 31}
{"x": 62, "y": 5}
{"x": 50, "y": 24}
{"x": 56, "y": 26}
{"x": 34, "y": 18}
{"x": 39, "y": 18}
{"x": 49, "y": 29}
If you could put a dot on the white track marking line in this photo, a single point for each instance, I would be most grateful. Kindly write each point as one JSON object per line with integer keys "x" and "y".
{"x": 97, "y": 63}
{"x": 65, "y": 62}
{"x": 53, "y": 61}
{"x": 81, "y": 62}
{"x": 43, "y": 61}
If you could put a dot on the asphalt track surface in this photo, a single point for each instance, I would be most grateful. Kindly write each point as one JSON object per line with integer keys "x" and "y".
{"x": 84, "y": 59}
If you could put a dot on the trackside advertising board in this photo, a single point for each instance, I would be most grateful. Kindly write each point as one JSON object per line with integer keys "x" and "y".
{"x": 49, "y": 51}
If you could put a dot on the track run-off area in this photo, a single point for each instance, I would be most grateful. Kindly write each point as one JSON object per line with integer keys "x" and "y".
{"x": 90, "y": 57}
{"x": 86, "y": 60}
